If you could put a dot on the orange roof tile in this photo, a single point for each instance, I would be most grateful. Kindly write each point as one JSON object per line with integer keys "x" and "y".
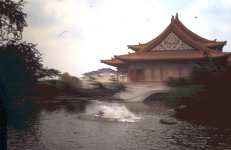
{"x": 201, "y": 47}
{"x": 194, "y": 35}
{"x": 113, "y": 62}
{"x": 177, "y": 24}
{"x": 170, "y": 55}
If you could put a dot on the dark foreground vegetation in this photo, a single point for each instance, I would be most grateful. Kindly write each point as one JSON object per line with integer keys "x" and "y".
{"x": 54, "y": 88}
{"x": 204, "y": 97}
{"x": 205, "y": 94}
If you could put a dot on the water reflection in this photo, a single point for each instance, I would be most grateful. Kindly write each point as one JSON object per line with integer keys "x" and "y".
{"x": 21, "y": 116}
{"x": 70, "y": 107}
{"x": 56, "y": 125}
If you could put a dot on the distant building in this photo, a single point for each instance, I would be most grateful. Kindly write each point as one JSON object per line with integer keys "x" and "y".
{"x": 172, "y": 54}
{"x": 101, "y": 75}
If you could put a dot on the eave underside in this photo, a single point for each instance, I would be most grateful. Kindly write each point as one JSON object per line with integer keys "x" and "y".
{"x": 123, "y": 60}
{"x": 171, "y": 55}
{"x": 113, "y": 62}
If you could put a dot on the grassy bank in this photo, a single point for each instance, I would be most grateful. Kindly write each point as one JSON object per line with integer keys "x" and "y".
{"x": 177, "y": 96}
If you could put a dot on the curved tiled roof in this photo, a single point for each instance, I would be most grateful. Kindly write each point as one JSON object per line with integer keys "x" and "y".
{"x": 200, "y": 47}
{"x": 113, "y": 62}
{"x": 171, "y": 55}
{"x": 176, "y": 23}
{"x": 194, "y": 35}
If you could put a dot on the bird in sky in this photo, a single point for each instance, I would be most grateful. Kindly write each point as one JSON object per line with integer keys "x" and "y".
{"x": 62, "y": 33}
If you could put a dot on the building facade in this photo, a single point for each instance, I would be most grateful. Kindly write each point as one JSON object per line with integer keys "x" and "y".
{"x": 172, "y": 54}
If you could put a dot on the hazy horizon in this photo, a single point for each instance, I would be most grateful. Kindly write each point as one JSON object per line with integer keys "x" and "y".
{"x": 73, "y": 35}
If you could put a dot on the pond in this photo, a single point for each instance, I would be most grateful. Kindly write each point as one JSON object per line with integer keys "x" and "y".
{"x": 76, "y": 125}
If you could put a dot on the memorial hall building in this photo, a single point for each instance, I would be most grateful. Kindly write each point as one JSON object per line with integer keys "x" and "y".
{"x": 172, "y": 54}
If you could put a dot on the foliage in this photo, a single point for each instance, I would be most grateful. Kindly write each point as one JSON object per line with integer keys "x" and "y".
{"x": 12, "y": 20}
{"x": 3, "y": 122}
{"x": 71, "y": 82}
{"x": 205, "y": 72}
{"x": 202, "y": 74}
{"x": 20, "y": 66}
{"x": 20, "y": 62}
{"x": 210, "y": 104}
{"x": 51, "y": 72}
{"x": 182, "y": 81}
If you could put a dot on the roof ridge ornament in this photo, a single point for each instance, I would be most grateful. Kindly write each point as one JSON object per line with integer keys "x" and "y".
{"x": 176, "y": 17}
{"x": 177, "y": 26}
{"x": 172, "y": 19}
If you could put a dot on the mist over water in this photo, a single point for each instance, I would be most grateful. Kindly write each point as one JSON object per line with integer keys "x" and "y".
{"x": 111, "y": 112}
{"x": 139, "y": 92}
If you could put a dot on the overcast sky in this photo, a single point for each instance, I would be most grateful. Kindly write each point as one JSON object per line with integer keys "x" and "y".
{"x": 73, "y": 35}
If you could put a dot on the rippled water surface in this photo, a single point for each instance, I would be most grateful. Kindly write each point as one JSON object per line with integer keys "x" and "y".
{"x": 58, "y": 126}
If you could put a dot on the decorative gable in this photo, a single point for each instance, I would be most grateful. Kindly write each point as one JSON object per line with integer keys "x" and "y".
{"x": 172, "y": 42}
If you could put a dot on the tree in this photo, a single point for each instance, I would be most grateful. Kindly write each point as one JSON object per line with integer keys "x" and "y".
{"x": 20, "y": 66}
{"x": 20, "y": 62}
{"x": 12, "y": 20}
{"x": 52, "y": 73}
{"x": 70, "y": 82}
{"x": 3, "y": 122}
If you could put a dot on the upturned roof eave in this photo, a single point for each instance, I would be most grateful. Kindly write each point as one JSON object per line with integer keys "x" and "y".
{"x": 196, "y": 36}
{"x": 172, "y": 59}
{"x": 156, "y": 39}
{"x": 170, "y": 55}
{"x": 176, "y": 22}
{"x": 111, "y": 62}
{"x": 181, "y": 34}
